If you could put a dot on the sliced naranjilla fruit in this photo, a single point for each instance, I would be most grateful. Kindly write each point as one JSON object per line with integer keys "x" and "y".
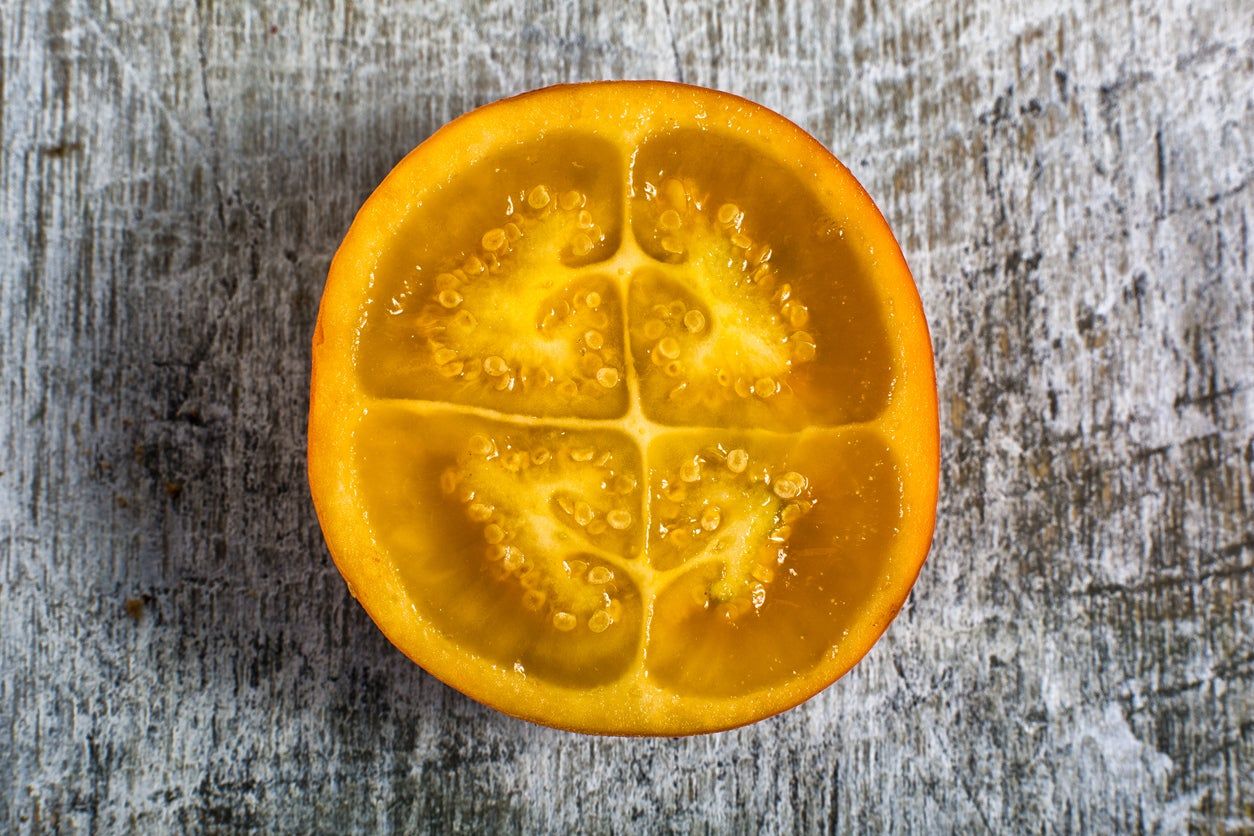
{"x": 623, "y": 415}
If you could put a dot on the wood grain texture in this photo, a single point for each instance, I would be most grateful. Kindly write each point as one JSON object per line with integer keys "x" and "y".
{"x": 1071, "y": 184}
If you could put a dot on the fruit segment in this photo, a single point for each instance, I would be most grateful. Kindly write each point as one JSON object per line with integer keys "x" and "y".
{"x": 501, "y": 316}
{"x": 759, "y": 313}
{"x": 778, "y": 544}
{"x": 520, "y": 541}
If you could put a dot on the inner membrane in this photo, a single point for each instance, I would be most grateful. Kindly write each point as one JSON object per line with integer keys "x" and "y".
{"x": 781, "y": 546}
{"x": 479, "y": 299}
{"x": 518, "y": 541}
{"x": 760, "y": 311}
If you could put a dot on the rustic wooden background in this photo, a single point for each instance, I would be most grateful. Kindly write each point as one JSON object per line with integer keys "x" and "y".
{"x": 1071, "y": 184}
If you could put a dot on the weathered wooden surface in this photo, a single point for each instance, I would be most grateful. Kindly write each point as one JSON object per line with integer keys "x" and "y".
{"x": 1071, "y": 186}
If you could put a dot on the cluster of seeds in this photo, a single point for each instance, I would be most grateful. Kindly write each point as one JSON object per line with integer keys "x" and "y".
{"x": 673, "y": 325}
{"x": 447, "y": 321}
{"x": 616, "y": 514}
{"x": 688, "y": 522}
{"x": 545, "y": 580}
{"x": 667, "y": 324}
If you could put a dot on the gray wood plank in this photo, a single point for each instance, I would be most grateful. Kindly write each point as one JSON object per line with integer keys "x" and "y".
{"x": 1070, "y": 183}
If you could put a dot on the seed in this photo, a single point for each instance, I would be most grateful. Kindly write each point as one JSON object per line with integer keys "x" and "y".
{"x": 783, "y": 294}
{"x": 564, "y": 621}
{"x": 798, "y": 315}
{"x": 451, "y": 370}
{"x": 495, "y": 366}
{"x": 669, "y": 220}
{"x": 600, "y": 621}
{"x": 449, "y": 298}
{"x": 596, "y": 528}
{"x": 694, "y": 321}
{"x": 728, "y": 212}
{"x": 445, "y": 355}
{"x": 447, "y": 281}
{"x": 584, "y": 219}
{"x": 619, "y": 519}
{"x": 582, "y": 454}
{"x": 600, "y": 575}
{"x": 512, "y": 560}
{"x": 571, "y": 200}
{"x": 802, "y": 347}
{"x": 533, "y": 599}
{"x": 448, "y": 481}
{"x": 464, "y": 319}
{"x": 624, "y": 483}
{"x": 568, "y": 388}
{"x": 758, "y": 255}
{"x": 791, "y": 513}
{"x": 690, "y": 471}
{"x": 493, "y": 533}
{"x": 538, "y": 197}
{"x": 581, "y": 244}
{"x": 495, "y": 552}
{"x": 478, "y": 512}
{"x": 763, "y": 573}
{"x": 493, "y": 239}
{"x": 614, "y": 608}
{"x": 668, "y": 347}
{"x": 566, "y": 504}
{"x": 781, "y": 534}
{"x": 474, "y": 265}
{"x": 576, "y": 568}
{"x": 594, "y": 340}
{"x": 667, "y": 510}
{"x": 739, "y": 239}
{"x": 673, "y": 369}
{"x": 607, "y": 377}
{"x": 789, "y": 486}
{"x": 654, "y": 328}
{"x": 540, "y": 455}
{"x": 674, "y": 192}
{"x": 672, "y": 245}
{"x": 758, "y": 595}
{"x": 711, "y": 518}
{"x": 593, "y": 299}
{"x": 481, "y": 445}
{"x": 584, "y": 513}
{"x": 743, "y": 387}
{"x": 765, "y": 387}
{"x": 737, "y": 460}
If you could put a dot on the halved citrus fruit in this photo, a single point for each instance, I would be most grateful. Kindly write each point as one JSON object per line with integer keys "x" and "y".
{"x": 623, "y": 414}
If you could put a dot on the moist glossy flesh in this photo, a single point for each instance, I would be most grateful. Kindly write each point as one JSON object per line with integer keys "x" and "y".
{"x": 611, "y": 436}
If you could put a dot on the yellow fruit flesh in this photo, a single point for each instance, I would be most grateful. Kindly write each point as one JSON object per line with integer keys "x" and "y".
{"x": 504, "y": 519}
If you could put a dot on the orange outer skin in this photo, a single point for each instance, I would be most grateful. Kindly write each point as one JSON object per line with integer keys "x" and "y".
{"x": 635, "y": 109}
